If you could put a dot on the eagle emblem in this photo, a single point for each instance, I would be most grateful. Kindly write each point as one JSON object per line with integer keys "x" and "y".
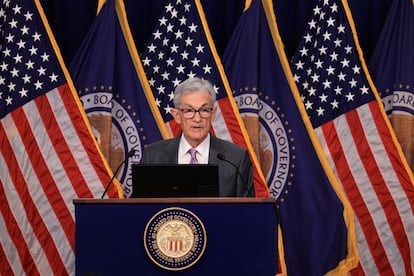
{"x": 175, "y": 238}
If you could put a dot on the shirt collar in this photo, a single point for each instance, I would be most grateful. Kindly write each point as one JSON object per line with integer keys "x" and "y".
{"x": 203, "y": 148}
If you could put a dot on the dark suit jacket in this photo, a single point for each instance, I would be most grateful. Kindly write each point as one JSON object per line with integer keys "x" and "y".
{"x": 232, "y": 182}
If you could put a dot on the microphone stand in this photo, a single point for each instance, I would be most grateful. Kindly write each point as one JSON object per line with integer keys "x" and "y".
{"x": 223, "y": 158}
{"x": 130, "y": 154}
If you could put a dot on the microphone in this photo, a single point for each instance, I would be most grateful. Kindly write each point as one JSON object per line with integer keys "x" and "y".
{"x": 130, "y": 154}
{"x": 223, "y": 158}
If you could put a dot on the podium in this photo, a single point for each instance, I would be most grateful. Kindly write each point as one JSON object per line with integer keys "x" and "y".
{"x": 167, "y": 236}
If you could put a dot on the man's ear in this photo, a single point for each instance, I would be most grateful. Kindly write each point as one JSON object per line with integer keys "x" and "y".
{"x": 213, "y": 113}
{"x": 177, "y": 117}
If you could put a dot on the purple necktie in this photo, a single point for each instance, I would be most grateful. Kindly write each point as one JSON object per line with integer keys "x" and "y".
{"x": 193, "y": 153}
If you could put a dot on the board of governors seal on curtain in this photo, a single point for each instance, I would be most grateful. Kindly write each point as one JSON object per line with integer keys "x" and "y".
{"x": 114, "y": 125}
{"x": 175, "y": 238}
{"x": 271, "y": 137}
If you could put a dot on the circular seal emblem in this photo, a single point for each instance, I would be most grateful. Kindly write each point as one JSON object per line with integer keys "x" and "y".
{"x": 175, "y": 238}
{"x": 115, "y": 127}
{"x": 275, "y": 142}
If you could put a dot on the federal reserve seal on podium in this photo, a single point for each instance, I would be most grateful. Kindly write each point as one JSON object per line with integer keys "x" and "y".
{"x": 175, "y": 238}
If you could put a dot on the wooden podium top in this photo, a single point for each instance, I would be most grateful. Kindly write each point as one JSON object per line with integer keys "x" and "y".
{"x": 173, "y": 200}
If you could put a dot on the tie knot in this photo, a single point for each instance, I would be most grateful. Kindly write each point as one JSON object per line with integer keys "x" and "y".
{"x": 193, "y": 153}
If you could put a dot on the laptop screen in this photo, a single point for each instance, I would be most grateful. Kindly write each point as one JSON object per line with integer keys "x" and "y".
{"x": 176, "y": 180}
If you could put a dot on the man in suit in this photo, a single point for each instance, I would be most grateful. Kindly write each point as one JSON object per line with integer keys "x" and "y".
{"x": 195, "y": 110}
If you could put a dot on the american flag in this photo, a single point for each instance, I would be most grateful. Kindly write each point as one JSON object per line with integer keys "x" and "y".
{"x": 351, "y": 125}
{"x": 47, "y": 152}
{"x": 181, "y": 47}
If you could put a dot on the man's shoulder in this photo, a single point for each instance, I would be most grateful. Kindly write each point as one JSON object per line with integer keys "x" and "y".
{"x": 162, "y": 143}
{"x": 227, "y": 145}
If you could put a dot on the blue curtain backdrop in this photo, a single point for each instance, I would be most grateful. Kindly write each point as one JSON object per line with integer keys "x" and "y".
{"x": 71, "y": 19}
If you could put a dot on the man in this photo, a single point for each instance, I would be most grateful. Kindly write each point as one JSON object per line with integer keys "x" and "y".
{"x": 195, "y": 110}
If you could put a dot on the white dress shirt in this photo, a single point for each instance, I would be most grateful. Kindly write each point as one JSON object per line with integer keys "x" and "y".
{"x": 203, "y": 151}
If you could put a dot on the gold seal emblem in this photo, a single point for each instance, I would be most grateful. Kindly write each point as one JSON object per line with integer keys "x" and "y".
{"x": 175, "y": 238}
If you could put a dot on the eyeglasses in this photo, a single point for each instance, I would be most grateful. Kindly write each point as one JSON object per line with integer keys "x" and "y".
{"x": 189, "y": 113}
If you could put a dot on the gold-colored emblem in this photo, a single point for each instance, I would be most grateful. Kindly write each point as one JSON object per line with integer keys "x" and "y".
{"x": 175, "y": 238}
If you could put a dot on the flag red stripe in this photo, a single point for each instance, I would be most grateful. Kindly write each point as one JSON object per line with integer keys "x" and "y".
{"x": 175, "y": 128}
{"x": 393, "y": 155}
{"x": 238, "y": 138}
{"x": 231, "y": 122}
{"x": 380, "y": 186}
{"x": 5, "y": 267}
{"x": 358, "y": 271}
{"x": 12, "y": 226}
{"x": 34, "y": 218}
{"x": 354, "y": 196}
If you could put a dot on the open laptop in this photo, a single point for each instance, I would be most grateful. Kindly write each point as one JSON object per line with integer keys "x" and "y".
{"x": 176, "y": 180}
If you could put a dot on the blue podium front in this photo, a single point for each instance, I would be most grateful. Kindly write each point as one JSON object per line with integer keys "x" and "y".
{"x": 186, "y": 236}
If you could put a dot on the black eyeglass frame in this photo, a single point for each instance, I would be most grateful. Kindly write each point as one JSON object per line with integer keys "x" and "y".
{"x": 189, "y": 113}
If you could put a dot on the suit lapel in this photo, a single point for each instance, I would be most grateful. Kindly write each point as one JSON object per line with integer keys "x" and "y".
{"x": 171, "y": 150}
